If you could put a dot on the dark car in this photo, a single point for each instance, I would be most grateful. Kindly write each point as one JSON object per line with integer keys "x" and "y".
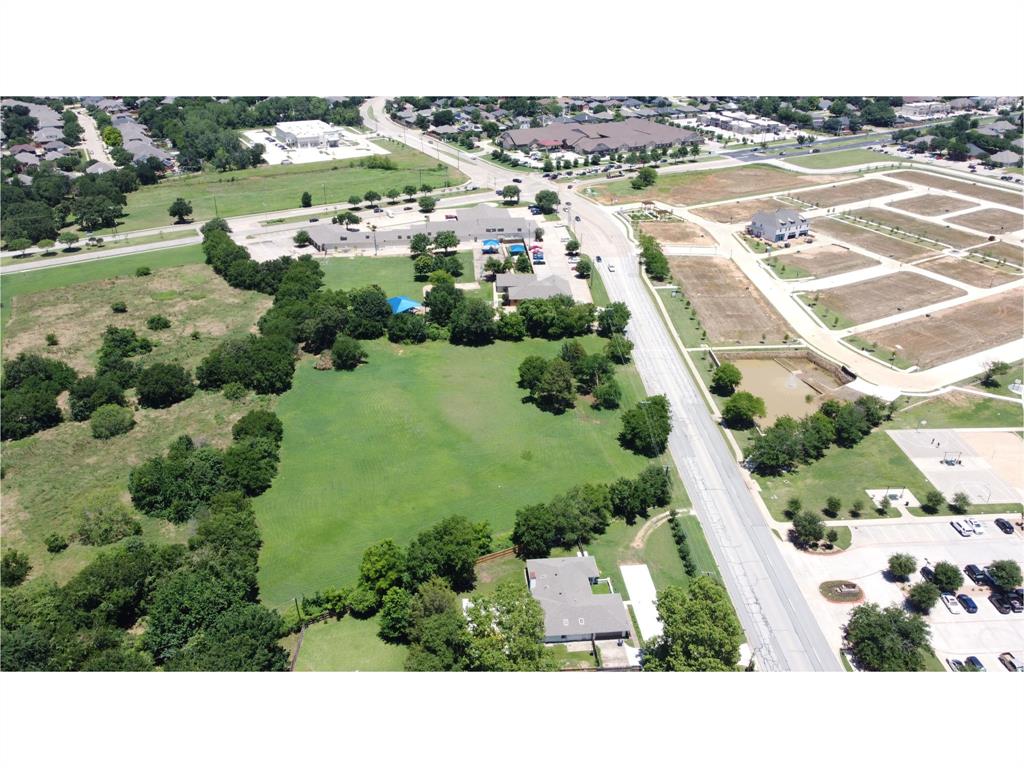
{"x": 927, "y": 573}
{"x": 1004, "y": 525}
{"x": 967, "y": 602}
{"x": 1000, "y": 602}
{"x": 975, "y": 574}
{"x": 517, "y": 181}
{"x": 973, "y": 663}
{"x": 577, "y": 218}
{"x": 407, "y": 208}
{"x": 1015, "y": 601}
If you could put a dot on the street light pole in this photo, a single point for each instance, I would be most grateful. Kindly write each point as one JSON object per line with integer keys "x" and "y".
{"x": 373, "y": 228}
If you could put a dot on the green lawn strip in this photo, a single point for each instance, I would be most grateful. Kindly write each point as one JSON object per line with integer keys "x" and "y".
{"x": 348, "y": 645}
{"x": 684, "y": 319}
{"x": 1016, "y": 373}
{"x": 551, "y": 217}
{"x": 975, "y": 509}
{"x": 394, "y": 274}
{"x": 879, "y": 352}
{"x": 417, "y": 434}
{"x": 823, "y": 312}
{"x": 567, "y": 659}
{"x": 846, "y": 662}
{"x": 755, "y": 244}
{"x": 965, "y": 411}
{"x": 840, "y": 159}
{"x": 931, "y": 661}
{"x": 601, "y": 588}
{"x": 845, "y": 536}
{"x": 279, "y": 187}
{"x": 786, "y": 271}
{"x": 20, "y": 283}
{"x": 598, "y": 293}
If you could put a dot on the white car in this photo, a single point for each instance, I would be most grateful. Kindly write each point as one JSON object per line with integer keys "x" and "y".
{"x": 961, "y": 528}
{"x": 975, "y": 525}
{"x": 949, "y": 600}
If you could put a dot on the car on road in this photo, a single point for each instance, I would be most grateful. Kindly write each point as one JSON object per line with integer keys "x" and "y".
{"x": 1004, "y": 525}
{"x": 577, "y": 218}
{"x": 1000, "y": 602}
{"x": 975, "y": 574}
{"x": 975, "y": 524}
{"x": 407, "y": 208}
{"x": 597, "y": 259}
{"x": 967, "y": 602}
{"x": 517, "y": 181}
{"x": 960, "y": 528}
{"x": 956, "y": 665}
{"x": 568, "y": 186}
{"x": 973, "y": 663}
{"x": 927, "y": 573}
{"x": 314, "y": 219}
{"x": 949, "y": 600}
{"x": 1010, "y": 661}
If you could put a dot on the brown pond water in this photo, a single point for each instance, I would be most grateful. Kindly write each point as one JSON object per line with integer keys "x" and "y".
{"x": 783, "y": 391}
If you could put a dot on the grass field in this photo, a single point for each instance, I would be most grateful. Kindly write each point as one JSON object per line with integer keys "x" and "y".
{"x": 394, "y": 274}
{"x": 34, "y": 281}
{"x": 348, "y": 645}
{"x": 840, "y": 159}
{"x": 598, "y": 293}
{"x": 280, "y": 187}
{"x": 418, "y": 434}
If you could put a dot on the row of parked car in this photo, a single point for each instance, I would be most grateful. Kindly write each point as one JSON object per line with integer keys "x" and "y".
{"x": 971, "y": 526}
{"x": 973, "y": 663}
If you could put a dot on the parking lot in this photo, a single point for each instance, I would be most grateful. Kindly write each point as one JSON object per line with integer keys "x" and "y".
{"x": 984, "y": 634}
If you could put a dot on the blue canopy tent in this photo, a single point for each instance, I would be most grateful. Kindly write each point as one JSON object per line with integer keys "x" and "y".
{"x": 491, "y": 246}
{"x": 516, "y": 248}
{"x": 400, "y": 304}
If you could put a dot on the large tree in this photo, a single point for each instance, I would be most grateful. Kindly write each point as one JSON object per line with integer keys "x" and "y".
{"x": 547, "y": 200}
{"x": 887, "y": 640}
{"x": 449, "y": 549}
{"x": 180, "y": 209}
{"x": 1005, "y": 574}
{"x": 741, "y": 409}
{"x": 507, "y": 632}
{"x": 646, "y": 426}
{"x": 726, "y": 378}
{"x": 700, "y": 630}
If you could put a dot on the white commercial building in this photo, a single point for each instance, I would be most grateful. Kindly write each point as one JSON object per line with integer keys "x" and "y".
{"x": 308, "y": 133}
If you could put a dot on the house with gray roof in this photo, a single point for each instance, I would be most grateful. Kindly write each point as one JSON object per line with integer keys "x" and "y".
{"x": 514, "y": 287}
{"x": 26, "y": 159}
{"x": 99, "y": 167}
{"x": 572, "y": 612}
{"x": 50, "y": 133}
{"x": 778, "y": 225}
{"x": 1006, "y": 157}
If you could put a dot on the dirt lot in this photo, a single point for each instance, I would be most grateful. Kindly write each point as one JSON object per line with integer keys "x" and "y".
{"x": 992, "y": 220}
{"x": 825, "y": 260}
{"x": 931, "y": 205}
{"x": 1012, "y": 254}
{"x": 970, "y": 272}
{"x": 190, "y": 297}
{"x": 730, "y": 308}
{"x": 919, "y": 228}
{"x": 849, "y": 193}
{"x": 956, "y": 332}
{"x": 733, "y": 213}
{"x": 977, "y": 191}
{"x": 676, "y": 233}
{"x": 876, "y": 242}
{"x": 692, "y": 187}
{"x": 883, "y": 296}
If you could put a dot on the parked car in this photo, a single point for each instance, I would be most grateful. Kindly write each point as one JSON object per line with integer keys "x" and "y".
{"x": 1015, "y": 601}
{"x": 973, "y": 663}
{"x": 960, "y": 528}
{"x": 949, "y": 600}
{"x": 1009, "y": 661}
{"x": 956, "y": 665}
{"x": 569, "y": 186}
{"x": 577, "y": 218}
{"x": 1004, "y": 525}
{"x": 407, "y": 208}
{"x": 975, "y": 524}
{"x": 975, "y": 574}
{"x": 517, "y": 181}
{"x": 378, "y": 210}
{"x": 927, "y": 573}
{"x": 1000, "y": 602}
{"x": 967, "y": 602}
{"x": 597, "y": 259}
{"x": 314, "y": 219}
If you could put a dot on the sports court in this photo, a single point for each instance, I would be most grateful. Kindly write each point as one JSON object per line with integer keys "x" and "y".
{"x": 986, "y": 464}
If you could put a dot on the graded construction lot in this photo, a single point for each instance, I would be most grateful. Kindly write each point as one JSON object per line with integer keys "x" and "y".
{"x": 824, "y": 260}
{"x": 1007, "y": 252}
{"x": 732, "y": 310}
{"x": 868, "y": 300}
{"x": 971, "y": 189}
{"x": 986, "y": 465}
{"x": 931, "y": 205}
{"x": 993, "y": 220}
{"x": 841, "y": 194}
{"x": 955, "y": 332}
{"x": 970, "y": 272}
{"x": 918, "y": 228}
{"x": 733, "y": 213}
{"x": 876, "y": 242}
{"x": 693, "y": 187}
{"x": 676, "y": 233}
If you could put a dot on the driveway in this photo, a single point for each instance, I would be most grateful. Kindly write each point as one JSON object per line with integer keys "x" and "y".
{"x": 642, "y": 596}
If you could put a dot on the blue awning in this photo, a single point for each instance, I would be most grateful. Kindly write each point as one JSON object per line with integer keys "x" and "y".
{"x": 491, "y": 242}
{"x": 517, "y": 249}
{"x": 401, "y": 304}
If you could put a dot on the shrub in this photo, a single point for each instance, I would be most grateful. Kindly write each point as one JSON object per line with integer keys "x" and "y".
{"x": 259, "y": 424}
{"x": 103, "y": 519}
{"x": 51, "y": 340}
{"x": 234, "y": 391}
{"x": 158, "y": 323}
{"x": 90, "y": 392}
{"x": 901, "y": 565}
{"x": 347, "y": 353}
{"x": 608, "y": 394}
{"x": 110, "y": 420}
{"x": 14, "y": 567}
{"x": 143, "y": 272}
{"x": 407, "y": 328}
{"x": 163, "y": 384}
{"x": 119, "y": 307}
{"x": 923, "y": 596}
{"x": 362, "y": 602}
{"x": 55, "y": 543}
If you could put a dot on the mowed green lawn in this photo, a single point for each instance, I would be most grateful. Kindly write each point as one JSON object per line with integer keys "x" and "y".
{"x": 280, "y": 187}
{"x": 394, "y": 274}
{"x": 840, "y": 159}
{"x": 351, "y": 645}
{"x": 417, "y": 434}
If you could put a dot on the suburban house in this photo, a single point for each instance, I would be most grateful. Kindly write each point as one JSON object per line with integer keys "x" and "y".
{"x": 780, "y": 224}
{"x": 572, "y": 612}
{"x": 1006, "y": 157}
{"x": 626, "y": 135}
{"x": 514, "y": 287}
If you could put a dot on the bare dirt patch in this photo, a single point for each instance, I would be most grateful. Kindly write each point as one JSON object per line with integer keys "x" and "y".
{"x": 969, "y": 188}
{"x": 825, "y": 260}
{"x": 992, "y": 220}
{"x": 731, "y": 309}
{"x": 970, "y": 272}
{"x": 931, "y": 205}
{"x": 956, "y": 332}
{"x": 876, "y": 242}
{"x": 883, "y": 296}
{"x": 918, "y": 228}
{"x": 676, "y": 233}
{"x": 733, "y": 213}
{"x": 841, "y": 194}
{"x": 1007, "y": 252}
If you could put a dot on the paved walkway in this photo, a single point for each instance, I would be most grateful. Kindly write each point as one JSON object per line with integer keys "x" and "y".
{"x": 642, "y": 596}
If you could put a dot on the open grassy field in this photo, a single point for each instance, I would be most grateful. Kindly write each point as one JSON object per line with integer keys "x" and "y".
{"x": 876, "y": 242}
{"x": 970, "y": 188}
{"x": 917, "y": 227}
{"x": 840, "y": 194}
{"x": 993, "y": 220}
{"x": 34, "y": 281}
{"x": 693, "y": 187}
{"x": 931, "y": 205}
{"x": 394, "y": 274}
{"x": 868, "y": 300}
{"x": 417, "y": 434}
{"x": 348, "y": 645}
{"x": 841, "y": 159}
{"x": 955, "y": 332}
{"x": 280, "y": 187}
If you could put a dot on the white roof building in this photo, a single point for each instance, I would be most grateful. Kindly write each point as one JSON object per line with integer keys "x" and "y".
{"x": 307, "y": 133}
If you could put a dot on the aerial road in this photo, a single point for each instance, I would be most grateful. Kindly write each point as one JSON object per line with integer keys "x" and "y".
{"x": 778, "y": 624}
